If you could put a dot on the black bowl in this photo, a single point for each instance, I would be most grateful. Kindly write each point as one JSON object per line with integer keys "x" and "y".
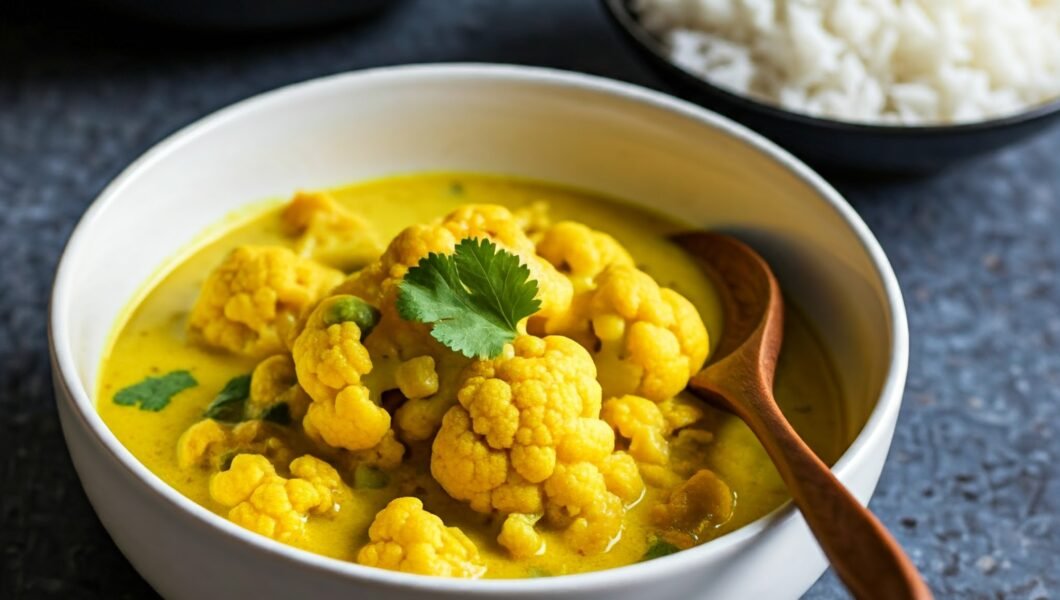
{"x": 837, "y": 144}
{"x": 245, "y": 15}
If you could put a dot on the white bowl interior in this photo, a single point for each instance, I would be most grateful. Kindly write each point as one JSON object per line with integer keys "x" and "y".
{"x": 603, "y": 137}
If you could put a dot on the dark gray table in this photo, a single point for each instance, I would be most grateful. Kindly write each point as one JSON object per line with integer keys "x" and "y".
{"x": 972, "y": 487}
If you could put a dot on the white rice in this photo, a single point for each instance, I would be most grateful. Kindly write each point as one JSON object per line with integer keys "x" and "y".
{"x": 873, "y": 61}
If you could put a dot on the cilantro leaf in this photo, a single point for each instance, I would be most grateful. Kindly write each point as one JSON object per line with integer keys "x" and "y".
{"x": 658, "y": 549}
{"x": 473, "y": 298}
{"x": 230, "y": 402}
{"x": 154, "y": 393}
{"x": 279, "y": 413}
{"x": 491, "y": 273}
{"x": 230, "y": 405}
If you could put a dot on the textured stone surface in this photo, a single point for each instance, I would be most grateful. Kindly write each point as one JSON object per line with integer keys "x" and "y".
{"x": 971, "y": 487}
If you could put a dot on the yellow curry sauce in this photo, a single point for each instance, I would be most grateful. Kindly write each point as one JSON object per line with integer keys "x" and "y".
{"x": 154, "y": 340}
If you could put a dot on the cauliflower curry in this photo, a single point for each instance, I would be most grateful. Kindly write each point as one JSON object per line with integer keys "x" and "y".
{"x": 452, "y": 375}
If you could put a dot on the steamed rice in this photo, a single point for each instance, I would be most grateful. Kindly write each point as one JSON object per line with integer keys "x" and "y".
{"x": 889, "y": 61}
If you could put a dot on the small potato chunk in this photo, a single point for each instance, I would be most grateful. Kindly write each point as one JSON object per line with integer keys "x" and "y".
{"x": 696, "y": 507}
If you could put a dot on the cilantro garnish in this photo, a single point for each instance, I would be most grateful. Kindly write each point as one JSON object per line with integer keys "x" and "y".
{"x": 154, "y": 393}
{"x": 230, "y": 402}
{"x": 473, "y": 297}
{"x": 658, "y": 549}
{"x": 230, "y": 405}
{"x": 279, "y": 413}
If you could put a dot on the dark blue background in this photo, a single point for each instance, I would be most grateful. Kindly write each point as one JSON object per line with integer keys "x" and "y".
{"x": 971, "y": 487}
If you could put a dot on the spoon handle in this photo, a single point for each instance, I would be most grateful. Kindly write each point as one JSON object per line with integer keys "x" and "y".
{"x": 865, "y": 556}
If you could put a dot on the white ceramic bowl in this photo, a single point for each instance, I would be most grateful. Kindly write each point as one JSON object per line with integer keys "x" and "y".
{"x": 574, "y": 129}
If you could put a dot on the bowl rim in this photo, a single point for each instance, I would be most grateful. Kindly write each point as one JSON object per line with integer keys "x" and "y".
{"x": 622, "y": 15}
{"x": 83, "y": 407}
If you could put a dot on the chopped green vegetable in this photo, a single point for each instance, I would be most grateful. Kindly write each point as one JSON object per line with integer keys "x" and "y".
{"x": 279, "y": 413}
{"x": 154, "y": 393}
{"x": 230, "y": 403}
{"x": 538, "y": 572}
{"x": 456, "y": 188}
{"x": 352, "y": 308}
{"x": 226, "y": 460}
{"x": 369, "y": 478}
{"x": 473, "y": 298}
{"x": 658, "y": 549}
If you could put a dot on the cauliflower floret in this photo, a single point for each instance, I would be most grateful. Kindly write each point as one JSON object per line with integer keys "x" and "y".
{"x": 385, "y": 455}
{"x": 472, "y": 469}
{"x": 254, "y": 295}
{"x": 200, "y": 442}
{"x": 623, "y": 477}
{"x": 208, "y": 443}
{"x": 526, "y": 431}
{"x": 350, "y": 420}
{"x": 275, "y": 382}
{"x": 323, "y": 477}
{"x": 395, "y": 340}
{"x": 650, "y": 430}
{"x": 330, "y": 361}
{"x": 520, "y": 538}
{"x": 580, "y": 252}
{"x": 417, "y": 377}
{"x": 646, "y": 340}
{"x": 514, "y": 411}
{"x": 418, "y": 418}
{"x": 701, "y": 504}
{"x": 329, "y": 233}
{"x": 405, "y": 537}
{"x": 641, "y": 422}
{"x": 533, "y": 219}
{"x": 579, "y": 500}
{"x": 266, "y": 503}
{"x": 681, "y": 411}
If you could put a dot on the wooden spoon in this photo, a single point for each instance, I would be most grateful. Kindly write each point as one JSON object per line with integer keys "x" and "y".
{"x": 739, "y": 379}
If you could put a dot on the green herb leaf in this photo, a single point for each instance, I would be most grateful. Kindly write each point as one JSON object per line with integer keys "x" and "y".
{"x": 538, "y": 572}
{"x": 473, "y": 298}
{"x": 658, "y": 549}
{"x": 369, "y": 478}
{"x": 230, "y": 403}
{"x": 352, "y": 308}
{"x": 226, "y": 459}
{"x": 279, "y": 413}
{"x": 154, "y": 393}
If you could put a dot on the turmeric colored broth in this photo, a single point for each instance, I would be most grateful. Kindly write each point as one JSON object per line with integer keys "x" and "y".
{"x": 153, "y": 340}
